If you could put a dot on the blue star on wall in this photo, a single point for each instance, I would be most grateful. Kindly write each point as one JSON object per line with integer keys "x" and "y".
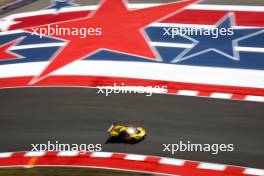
{"x": 222, "y": 44}
{"x": 58, "y": 4}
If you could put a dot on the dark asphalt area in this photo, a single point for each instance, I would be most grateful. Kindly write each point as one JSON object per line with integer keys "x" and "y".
{"x": 78, "y": 115}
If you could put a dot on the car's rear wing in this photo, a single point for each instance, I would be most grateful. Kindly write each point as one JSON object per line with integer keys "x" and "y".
{"x": 110, "y": 128}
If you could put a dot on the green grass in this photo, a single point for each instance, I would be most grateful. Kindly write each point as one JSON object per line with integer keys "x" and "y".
{"x": 63, "y": 171}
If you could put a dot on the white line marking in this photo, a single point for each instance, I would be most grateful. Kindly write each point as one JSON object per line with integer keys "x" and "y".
{"x": 11, "y": 32}
{"x": 6, "y": 155}
{"x": 31, "y": 46}
{"x": 212, "y": 166}
{"x": 135, "y": 157}
{"x": 30, "y": 154}
{"x": 171, "y": 161}
{"x": 145, "y": 70}
{"x": 157, "y": 44}
{"x": 101, "y": 154}
{"x": 68, "y": 153}
{"x": 205, "y": 26}
{"x": 172, "y": 45}
{"x": 250, "y": 49}
{"x": 254, "y": 98}
{"x": 187, "y": 92}
{"x": 227, "y": 7}
{"x": 221, "y": 95}
{"x": 252, "y": 171}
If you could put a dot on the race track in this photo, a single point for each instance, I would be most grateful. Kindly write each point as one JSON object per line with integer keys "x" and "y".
{"x": 78, "y": 115}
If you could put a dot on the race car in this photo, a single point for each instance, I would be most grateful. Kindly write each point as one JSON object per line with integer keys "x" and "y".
{"x": 125, "y": 134}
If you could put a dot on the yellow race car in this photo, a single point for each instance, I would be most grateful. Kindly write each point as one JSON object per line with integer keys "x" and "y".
{"x": 125, "y": 134}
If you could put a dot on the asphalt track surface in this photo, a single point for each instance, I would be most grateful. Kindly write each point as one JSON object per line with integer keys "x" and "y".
{"x": 79, "y": 115}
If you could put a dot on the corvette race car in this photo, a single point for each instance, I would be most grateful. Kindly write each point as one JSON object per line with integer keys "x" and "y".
{"x": 125, "y": 134}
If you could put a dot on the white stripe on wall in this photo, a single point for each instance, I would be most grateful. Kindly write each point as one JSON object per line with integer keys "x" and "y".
{"x": 145, "y": 70}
